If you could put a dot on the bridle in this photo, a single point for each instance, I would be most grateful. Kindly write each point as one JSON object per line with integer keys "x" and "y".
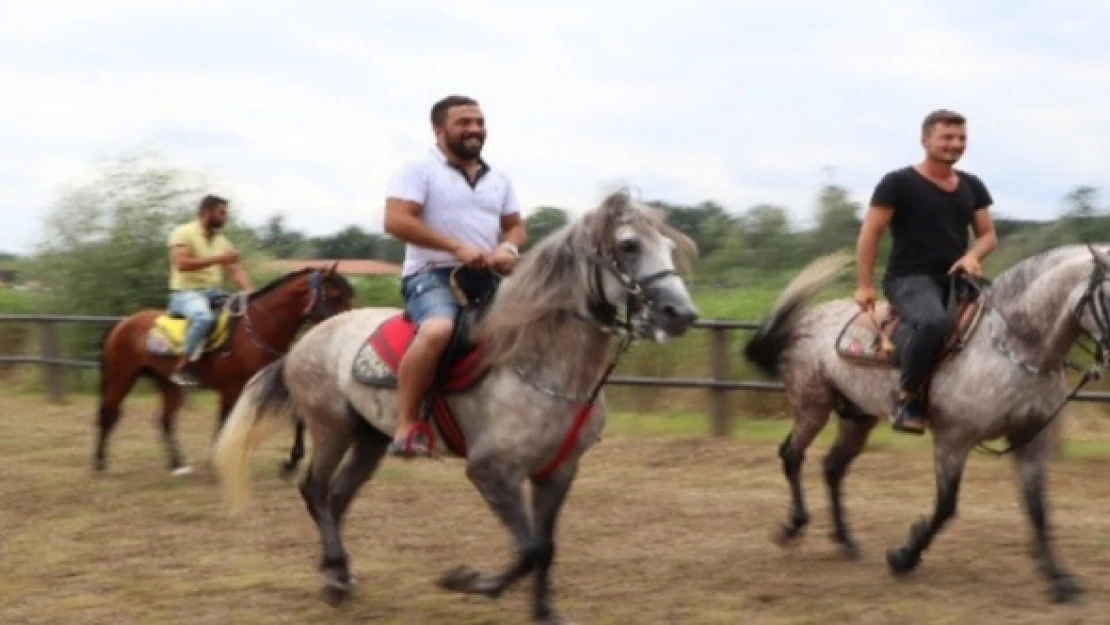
{"x": 1093, "y": 299}
{"x": 637, "y": 302}
{"x": 239, "y": 306}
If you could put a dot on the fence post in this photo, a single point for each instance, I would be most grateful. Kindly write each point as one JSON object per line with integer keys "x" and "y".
{"x": 52, "y": 372}
{"x": 721, "y": 415}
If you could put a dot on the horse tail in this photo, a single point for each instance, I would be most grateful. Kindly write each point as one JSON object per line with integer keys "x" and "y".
{"x": 263, "y": 408}
{"x": 777, "y": 331}
{"x": 102, "y": 358}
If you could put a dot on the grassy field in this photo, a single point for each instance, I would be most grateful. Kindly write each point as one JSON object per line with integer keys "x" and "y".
{"x": 664, "y": 525}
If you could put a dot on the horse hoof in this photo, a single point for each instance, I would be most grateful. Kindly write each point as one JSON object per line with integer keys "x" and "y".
{"x": 1066, "y": 590}
{"x": 182, "y": 471}
{"x": 286, "y": 472}
{"x": 551, "y": 619}
{"x": 851, "y": 552}
{"x": 901, "y": 561}
{"x": 334, "y": 591}
{"x": 787, "y": 534}
{"x": 459, "y": 579}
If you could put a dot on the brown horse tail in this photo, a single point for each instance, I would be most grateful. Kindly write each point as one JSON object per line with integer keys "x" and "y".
{"x": 103, "y": 359}
{"x": 777, "y": 331}
{"x": 263, "y": 409}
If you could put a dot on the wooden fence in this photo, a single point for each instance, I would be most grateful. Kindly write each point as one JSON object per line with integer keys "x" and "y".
{"x": 718, "y": 385}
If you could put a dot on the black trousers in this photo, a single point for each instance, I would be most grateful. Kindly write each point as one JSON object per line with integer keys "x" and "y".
{"x": 920, "y": 302}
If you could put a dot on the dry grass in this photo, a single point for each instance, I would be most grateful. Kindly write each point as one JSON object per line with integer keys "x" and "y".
{"x": 659, "y": 529}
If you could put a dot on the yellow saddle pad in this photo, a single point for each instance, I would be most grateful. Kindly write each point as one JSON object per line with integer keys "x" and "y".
{"x": 167, "y": 335}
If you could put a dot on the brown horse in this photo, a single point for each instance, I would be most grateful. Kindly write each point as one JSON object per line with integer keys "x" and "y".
{"x": 251, "y": 331}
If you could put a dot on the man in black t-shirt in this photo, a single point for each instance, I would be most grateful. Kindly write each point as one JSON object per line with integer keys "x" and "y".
{"x": 928, "y": 207}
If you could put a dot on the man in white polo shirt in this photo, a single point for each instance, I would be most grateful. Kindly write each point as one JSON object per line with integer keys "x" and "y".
{"x": 450, "y": 208}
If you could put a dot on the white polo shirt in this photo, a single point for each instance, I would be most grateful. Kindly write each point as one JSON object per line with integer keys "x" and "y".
{"x": 451, "y": 205}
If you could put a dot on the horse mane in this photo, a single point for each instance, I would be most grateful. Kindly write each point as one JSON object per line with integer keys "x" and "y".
{"x": 553, "y": 279}
{"x": 340, "y": 280}
{"x": 1026, "y": 276}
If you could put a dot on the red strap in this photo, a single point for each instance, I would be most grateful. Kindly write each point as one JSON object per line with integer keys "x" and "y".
{"x": 569, "y": 441}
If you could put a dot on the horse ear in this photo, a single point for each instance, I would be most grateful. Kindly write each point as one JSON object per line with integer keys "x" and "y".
{"x": 1101, "y": 259}
{"x": 331, "y": 270}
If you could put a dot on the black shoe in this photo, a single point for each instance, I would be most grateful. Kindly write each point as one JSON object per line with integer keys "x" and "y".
{"x": 908, "y": 416}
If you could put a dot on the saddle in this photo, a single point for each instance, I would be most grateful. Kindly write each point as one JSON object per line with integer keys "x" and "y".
{"x": 457, "y": 370}
{"x": 167, "y": 334}
{"x": 877, "y": 338}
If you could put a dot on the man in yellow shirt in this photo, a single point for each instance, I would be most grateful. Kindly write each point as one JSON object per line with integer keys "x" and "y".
{"x": 200, "y": 257}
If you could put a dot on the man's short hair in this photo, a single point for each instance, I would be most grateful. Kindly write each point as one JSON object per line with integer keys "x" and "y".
{"x": 439, "y": 109}
{"x": 941, "y": 116}
{"x": 210, "y": 202}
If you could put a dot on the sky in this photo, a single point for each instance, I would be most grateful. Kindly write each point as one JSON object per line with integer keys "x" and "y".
{"x": 306, "y": 111}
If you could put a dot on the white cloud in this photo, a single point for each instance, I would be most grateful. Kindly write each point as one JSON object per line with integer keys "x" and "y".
{"x": 307, "y": 110}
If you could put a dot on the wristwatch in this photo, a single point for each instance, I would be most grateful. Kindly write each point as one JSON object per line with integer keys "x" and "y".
{"x": 511, "y": 247}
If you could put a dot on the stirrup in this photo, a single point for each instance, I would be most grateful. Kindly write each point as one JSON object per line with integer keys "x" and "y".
{"x": 417, "y": 443}
{"x": 898, "y": 419}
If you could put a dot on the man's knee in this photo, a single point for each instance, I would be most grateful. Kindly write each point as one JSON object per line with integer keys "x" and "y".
{"x": 935, "y": 325}
{"x": 202, "y": 317}
{"x": 435, "y": 332}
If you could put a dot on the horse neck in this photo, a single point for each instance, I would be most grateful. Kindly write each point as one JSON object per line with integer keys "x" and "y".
{"x": 1045, "y": 311}
{"x": 276, "y": 324}
{"x": 578, "y": 355}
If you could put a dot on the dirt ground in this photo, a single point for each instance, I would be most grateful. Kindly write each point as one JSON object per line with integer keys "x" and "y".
{"x": 657, "y": 530}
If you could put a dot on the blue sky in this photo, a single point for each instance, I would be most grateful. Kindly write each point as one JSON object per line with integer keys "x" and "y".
{"x": 306, "y": 111}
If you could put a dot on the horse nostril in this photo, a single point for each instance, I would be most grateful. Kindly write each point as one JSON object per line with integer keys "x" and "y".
{"x": 670, "y": 311}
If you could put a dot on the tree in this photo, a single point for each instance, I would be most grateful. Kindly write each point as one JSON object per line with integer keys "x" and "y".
{"x": 276, "y": 239}
{"x": 103, "y": 244}
{"x": 837, "y": 224}
{"x": 542, "y": 222}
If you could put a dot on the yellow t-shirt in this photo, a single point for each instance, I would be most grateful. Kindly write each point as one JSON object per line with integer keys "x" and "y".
{"x": 192, "y": 235}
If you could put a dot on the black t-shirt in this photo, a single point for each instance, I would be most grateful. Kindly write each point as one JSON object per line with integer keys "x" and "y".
{"x": 929, "y": 225}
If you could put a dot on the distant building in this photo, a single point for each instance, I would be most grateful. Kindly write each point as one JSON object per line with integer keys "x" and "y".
{"x": 349, "y": 267}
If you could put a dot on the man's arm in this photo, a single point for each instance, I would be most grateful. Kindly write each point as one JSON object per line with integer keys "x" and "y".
{"x": 875, "y": 222}
{"x": 512, "y": 230}
{"x": 238, "y": 276}
{"x": 402, "y": 220}
{"x": 986, "y": 240}
{"x": 184, "y": 260}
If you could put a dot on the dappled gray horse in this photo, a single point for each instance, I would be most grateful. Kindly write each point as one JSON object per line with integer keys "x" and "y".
{"x": 1007, "y": 380}
{"x": 531, "y": 414}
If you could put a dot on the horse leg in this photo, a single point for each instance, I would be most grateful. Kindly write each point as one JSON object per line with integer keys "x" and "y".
{"x": 949, "y": 460}
{"x": 331, "y": 445}
{"x": 548, "y": 496}
{"x": 173, "y": 397}
{"x": 1030, "y": 463}
{"x": 502, "y": 489}
{"x": 296, "y": 452}
{"x": 853, "y": 429}
{"x": 809, "y": 419}
{"x": 116, "y": 383}
{"x": 366, "y": 454}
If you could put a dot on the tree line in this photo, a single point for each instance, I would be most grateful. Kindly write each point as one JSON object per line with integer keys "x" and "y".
{"x": 102, "y": 249}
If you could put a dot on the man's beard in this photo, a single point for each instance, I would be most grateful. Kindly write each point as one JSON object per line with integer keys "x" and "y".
{"x": 462, "y": 150}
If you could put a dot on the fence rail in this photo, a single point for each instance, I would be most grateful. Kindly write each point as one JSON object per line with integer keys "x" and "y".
{"x": 718, "y": 385}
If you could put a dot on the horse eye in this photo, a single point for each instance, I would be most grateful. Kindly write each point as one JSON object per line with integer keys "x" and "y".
{"x": 628, "y": 246}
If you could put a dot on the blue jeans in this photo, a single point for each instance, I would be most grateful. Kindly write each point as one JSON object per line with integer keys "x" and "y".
{"x": 428, "y": 294}
{"x": 194, "y": 307}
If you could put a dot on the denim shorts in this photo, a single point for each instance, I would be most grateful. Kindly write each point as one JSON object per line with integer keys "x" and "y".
{"x": 426, "y": 294}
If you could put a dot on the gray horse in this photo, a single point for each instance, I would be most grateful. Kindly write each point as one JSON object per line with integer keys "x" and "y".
{"x": 544, "y": 341}
{"x": 1007, "y": 381}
